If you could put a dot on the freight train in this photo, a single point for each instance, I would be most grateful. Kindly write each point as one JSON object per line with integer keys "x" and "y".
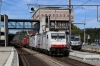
{"x": 52, "y": 43}
{"x": 75, "y": 42}
{"x": 24, "y": 42}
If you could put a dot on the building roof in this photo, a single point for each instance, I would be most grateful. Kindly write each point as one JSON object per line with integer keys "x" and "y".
{"x": 51, "y": 8}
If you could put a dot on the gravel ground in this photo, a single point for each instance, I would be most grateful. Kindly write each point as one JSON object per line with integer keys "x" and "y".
{"x": 48, "y": 59}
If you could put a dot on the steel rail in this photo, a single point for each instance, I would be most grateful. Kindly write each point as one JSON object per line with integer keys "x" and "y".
{"x": 24, "y": 60}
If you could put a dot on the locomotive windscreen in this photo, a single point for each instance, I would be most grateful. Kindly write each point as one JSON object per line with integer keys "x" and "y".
{"x": 57, "y": 35}
{"x": 75, "y": 38}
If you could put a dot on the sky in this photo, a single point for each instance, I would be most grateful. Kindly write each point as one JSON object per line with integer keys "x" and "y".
{"x": 18, "y": 9}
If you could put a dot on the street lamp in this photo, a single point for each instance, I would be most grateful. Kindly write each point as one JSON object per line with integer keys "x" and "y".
{"x": 32, "y": 10}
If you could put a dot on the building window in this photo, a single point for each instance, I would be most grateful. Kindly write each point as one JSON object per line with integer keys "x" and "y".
{"x": 64, "y": 15}
{"x": 1, "y": 24}
{"x": 45, "y": 14}
{"x": 42, "y": 14}
{"x": 60, "y": 15}
{"x": 67, "y": 15}
{"x": 56, "y": 15}
{"x": 53, "y": 15}
{"x": 49, "y": 14}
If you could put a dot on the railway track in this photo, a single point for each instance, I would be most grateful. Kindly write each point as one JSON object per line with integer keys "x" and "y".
{"x": 29, "y": 60}
{"x": 72, "y": 62}
{"x": 62, "y": 61}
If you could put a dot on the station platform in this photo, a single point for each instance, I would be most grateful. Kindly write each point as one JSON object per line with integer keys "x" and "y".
{"x": 91, "y": 48}
{"x": 8, "y": 56}
{"x": 91, "y": 58}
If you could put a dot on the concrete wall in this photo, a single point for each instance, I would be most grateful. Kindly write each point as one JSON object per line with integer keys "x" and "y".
{"x": 6, "y": 29}
{"x": 4, "y": 18}
{"x": 42, "y": 24}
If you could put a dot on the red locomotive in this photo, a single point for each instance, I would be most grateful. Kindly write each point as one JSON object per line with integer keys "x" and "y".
{"x": 25, "y": 42}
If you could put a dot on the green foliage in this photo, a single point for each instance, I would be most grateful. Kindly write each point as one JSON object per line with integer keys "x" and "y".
{"x": 94, "y": 33}
{"x": 20, "y": 35}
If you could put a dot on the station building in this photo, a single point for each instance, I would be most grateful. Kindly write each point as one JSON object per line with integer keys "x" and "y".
{"x": 59, "y": 17}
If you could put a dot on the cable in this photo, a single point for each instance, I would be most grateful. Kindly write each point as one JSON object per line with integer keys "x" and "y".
{"x": 90, "y": 9}
{"x": 28, "y": 9}
{"x": 36, "y": 2}
{"x": 85, "y": 15}
{"x": 94, "y": 25}
{"x": 59, "y": 2}
{"x": 83, "y": 3}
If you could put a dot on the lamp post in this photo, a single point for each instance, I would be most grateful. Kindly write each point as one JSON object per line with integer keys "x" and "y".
{"x": 84, "y": 26}
{"x": 69, "y": 3}
{"x": 84, "y": 32}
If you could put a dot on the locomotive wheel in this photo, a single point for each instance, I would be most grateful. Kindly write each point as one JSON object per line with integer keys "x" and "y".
{"x": 72, "y": 48}
{"x": 66, "y": 54}
{"x": 79, "y": 49}
{"x": 50, "y": 53}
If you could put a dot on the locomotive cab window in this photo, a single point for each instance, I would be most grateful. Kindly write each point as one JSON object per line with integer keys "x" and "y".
{"x": 58, "y": 36}
{"x": 61, "y": 35}
{"x": 47, "y": 36}
{"x": 53, "y": 35}
{"x": 74, "y": 38}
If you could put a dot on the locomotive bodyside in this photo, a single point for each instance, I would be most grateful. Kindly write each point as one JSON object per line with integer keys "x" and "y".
{"x": 53, "y": 43}
{"x": 31, "y": 41}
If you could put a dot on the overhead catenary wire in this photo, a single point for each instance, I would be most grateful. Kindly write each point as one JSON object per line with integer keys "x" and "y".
{"x": 80, "y": 5}
{"x": 94, "y": 25}
{"x": 27, "y": 12}
{"x": 36, "y": 2}
{"x": 59, "y": 2}
{"x": 84, "y": 3}
{"x": 89, "y": 19}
